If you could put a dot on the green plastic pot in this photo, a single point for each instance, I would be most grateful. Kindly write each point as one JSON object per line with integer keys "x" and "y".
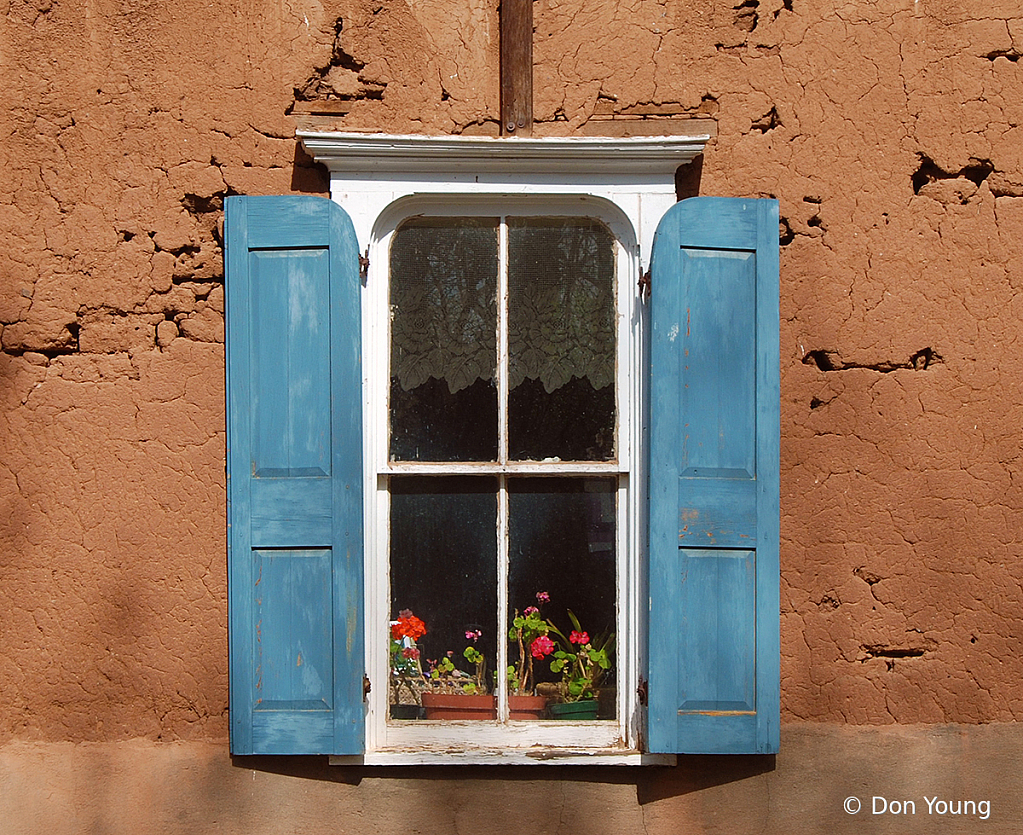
{"x": 574, "y": 711}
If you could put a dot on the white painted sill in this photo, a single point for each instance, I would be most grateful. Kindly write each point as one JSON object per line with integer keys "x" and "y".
{"x": 507, "y": 756}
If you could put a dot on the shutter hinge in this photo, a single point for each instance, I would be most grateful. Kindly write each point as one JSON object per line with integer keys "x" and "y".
{"x": 364, "y": 265}
{"x": 641, "y": 691}
{"x": 645, "y": 285}
{"x": 366, "y": 687}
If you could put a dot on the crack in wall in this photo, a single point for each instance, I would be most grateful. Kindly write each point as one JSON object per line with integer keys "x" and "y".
{"x": 769, "y": 121}
{"x": 825, "y": 360}
{"x": 889, "y": 654}
{"x": 1011, "y": 54}
{"x": 885, "y": 651}
{"x": 929, "y": 172}
{"x": 341, "y": 79}
{"x": 746, "y": 17}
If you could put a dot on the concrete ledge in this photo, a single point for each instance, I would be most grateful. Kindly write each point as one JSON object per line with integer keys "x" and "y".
{"x": 138, "y": 787}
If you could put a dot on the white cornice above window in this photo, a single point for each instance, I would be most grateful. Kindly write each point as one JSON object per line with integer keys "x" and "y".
{"x": 369, "y": 172}
{"x": 618, "y": 157}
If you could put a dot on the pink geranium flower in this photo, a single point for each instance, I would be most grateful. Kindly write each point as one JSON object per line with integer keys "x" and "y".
{"x": 542, "y": 647}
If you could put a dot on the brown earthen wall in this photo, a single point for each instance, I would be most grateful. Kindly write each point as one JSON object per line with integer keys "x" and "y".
{"x": 890, "y": 131}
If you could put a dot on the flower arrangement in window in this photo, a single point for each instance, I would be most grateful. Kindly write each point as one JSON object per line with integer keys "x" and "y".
{"x": 454, "y": 694}
{"x": 581, "y": 662}
{"x": 415, "y": 693}
{"x": 407, "y": 679}
{"x": 529, "y": 632}
{"x": 445, "y": 677}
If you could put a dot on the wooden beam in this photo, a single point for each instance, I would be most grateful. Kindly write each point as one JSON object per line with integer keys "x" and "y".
{"x": 516, "y": 67}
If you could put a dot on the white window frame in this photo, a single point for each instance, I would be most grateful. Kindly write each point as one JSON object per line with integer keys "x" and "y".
{"x": 627, "y": 184}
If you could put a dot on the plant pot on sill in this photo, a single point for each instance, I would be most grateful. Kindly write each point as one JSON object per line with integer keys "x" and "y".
{"x": 406, "y": 712}
{"x": 574, "y": 711}
{"x": 525, "y": 708}
{"x": 459, "y": 706}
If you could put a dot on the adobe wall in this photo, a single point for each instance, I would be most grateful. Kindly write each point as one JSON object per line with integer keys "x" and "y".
{"x": 894, "y": 780}
{"x": 890, "y": 131}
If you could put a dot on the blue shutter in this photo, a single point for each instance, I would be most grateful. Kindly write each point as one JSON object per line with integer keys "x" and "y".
{"x": 714, "y": 393}
{"x": 294, "y": 469}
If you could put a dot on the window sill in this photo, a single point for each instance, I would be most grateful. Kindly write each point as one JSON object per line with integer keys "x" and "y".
{"x": 536, "y": 755}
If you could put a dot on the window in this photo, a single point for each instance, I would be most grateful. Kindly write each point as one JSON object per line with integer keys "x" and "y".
{"x": 503, "y": 472}
{"x": 495, "y": 458}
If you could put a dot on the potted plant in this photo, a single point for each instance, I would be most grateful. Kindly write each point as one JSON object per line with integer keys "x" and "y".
{"x": 582, "y": 663}
{"x": 407, "y": 681}
{"x": 455, "y": 694}
{"x": 529, "y": 633}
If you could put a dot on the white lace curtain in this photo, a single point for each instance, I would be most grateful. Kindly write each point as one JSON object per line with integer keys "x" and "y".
{"x": 561, "y": 308}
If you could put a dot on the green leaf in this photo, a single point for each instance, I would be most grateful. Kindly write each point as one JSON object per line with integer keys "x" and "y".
{"x": 575, "y": 621}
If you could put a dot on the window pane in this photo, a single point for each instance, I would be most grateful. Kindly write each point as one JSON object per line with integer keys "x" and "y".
{"x": 443, "y": 295}
{"x": 443, "y": 567}
{"x": 562, "y": 548}
{"x": 561, "y": 340}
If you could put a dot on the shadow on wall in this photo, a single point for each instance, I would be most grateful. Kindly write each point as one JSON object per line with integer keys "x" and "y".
{"x": 308, "y": 176}
{"x": 687, "y": 178}
{"x": 692, "y": 774}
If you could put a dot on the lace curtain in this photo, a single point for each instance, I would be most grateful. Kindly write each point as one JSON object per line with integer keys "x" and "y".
{"x": 561, "y": 305}
{"x": 560, "y": 309}
{"x": 444, "y": 301}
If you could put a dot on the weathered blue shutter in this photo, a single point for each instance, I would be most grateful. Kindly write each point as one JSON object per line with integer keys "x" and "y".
{"x": 713, "y": 643}
{"x": 294, "y": 466}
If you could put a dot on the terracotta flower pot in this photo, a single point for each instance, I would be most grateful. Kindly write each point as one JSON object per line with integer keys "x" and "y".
{"x": 526, "y": 707}
{"x": 459, "y": 706}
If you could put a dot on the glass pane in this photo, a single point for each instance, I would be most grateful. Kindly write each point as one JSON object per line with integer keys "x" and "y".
{"x": 561, "y": 340}
{"x": 443, "y": 295}
{"x": 443, "y": 570}
{"x": 562, "y": 564}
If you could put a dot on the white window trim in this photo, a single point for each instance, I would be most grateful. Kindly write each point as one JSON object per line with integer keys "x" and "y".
{"x": 380, "y": 179}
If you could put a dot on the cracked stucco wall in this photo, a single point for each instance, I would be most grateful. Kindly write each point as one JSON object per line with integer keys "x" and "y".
{"x": 890, "y": 131}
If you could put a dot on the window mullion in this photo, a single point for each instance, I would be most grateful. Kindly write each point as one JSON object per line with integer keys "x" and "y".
{"x": 502, "y": 343}
{"x": 501, "y": 682}
{"x": 501, "y": 688}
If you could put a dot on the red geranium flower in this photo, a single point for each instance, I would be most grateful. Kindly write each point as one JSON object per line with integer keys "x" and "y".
{"x": 407, "y": 626}
{"x": 542, "y": 647}
{"x": 579, "y": 637}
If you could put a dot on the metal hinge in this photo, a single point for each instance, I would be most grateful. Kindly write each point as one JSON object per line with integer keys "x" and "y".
{"x": 364, "y": 265}
{"x": 641, "y": 691}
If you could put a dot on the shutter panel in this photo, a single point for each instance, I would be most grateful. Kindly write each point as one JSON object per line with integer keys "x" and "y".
{"x": 294, "y": 458}
{"x": 714, "y": 617}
